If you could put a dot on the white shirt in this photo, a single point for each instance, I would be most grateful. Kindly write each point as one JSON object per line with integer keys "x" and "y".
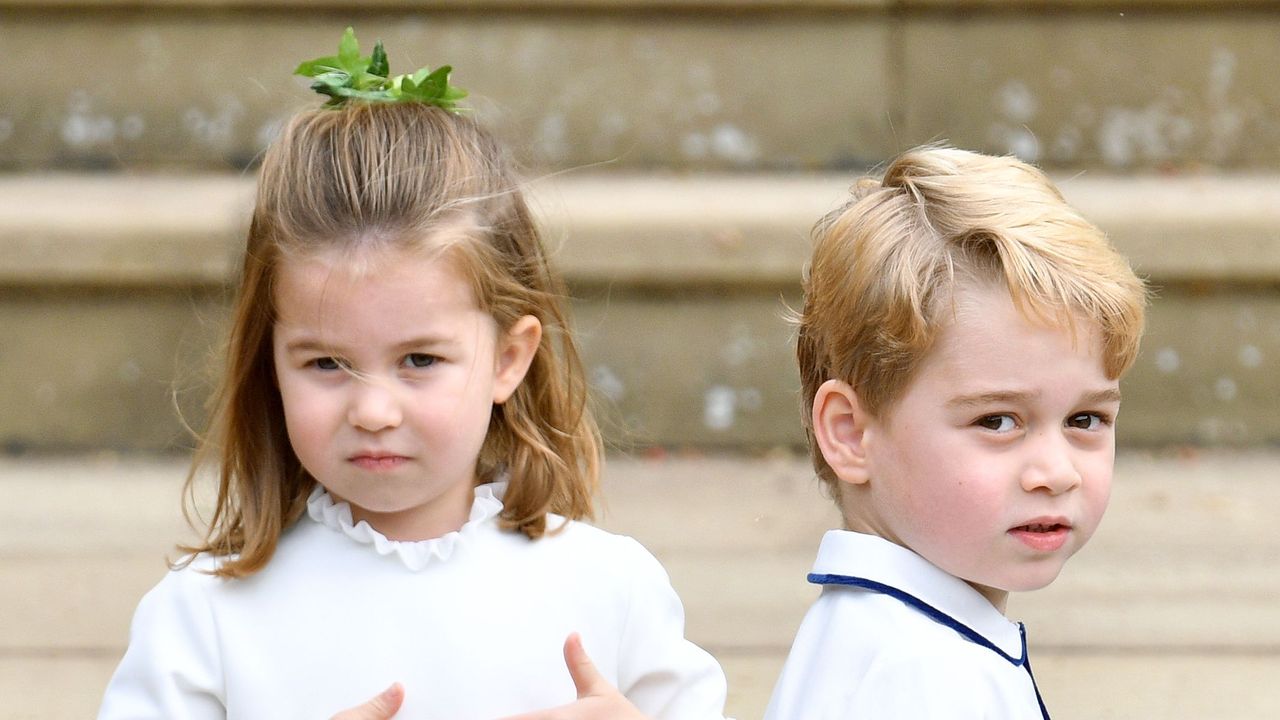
{"x": 472, "y": 624}
{"x": 893, "y": 636}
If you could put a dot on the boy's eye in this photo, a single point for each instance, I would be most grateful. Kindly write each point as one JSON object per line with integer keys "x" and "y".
{"x": 419, "y": 360}
{"x": 997, "y": 423}
{"x": 1086, "y": 421}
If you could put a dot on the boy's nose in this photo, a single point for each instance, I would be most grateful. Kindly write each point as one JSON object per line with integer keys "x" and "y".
{"x": 1051, "y": 467}
{"x": 374, "y": 406}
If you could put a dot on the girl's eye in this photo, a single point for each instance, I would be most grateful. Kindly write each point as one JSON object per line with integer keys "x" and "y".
{"x": 419, "y": 360}
{"x": 997, "y": 423}
{"x": 1086, "y": 421}
{"x": 327, "y": 363}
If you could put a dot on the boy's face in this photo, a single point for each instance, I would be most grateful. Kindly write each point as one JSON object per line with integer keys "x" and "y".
{"x": 995, "y": 464}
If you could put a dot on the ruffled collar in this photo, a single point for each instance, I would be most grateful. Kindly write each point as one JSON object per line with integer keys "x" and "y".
{"x": 416, "y": 554}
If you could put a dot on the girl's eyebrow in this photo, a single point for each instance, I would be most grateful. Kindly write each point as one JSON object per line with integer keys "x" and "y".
{"x": 308, "y": 344}
{"x": 425, "y": 341}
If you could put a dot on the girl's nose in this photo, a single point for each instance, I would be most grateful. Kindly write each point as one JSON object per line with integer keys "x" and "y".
{"x": 1051, "y": 466}
{"x": 374, "y": 406}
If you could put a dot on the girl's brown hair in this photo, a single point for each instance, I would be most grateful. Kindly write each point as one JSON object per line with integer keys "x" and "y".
{"x": 368, "y": 177}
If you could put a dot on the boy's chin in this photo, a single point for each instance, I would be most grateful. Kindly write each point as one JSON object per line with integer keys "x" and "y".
{"x": 1033, "y": 582}
{"x": 1030, "y": 580}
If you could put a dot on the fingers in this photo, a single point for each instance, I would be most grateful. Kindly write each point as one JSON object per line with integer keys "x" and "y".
{"x": 383, "y": 707}
{"x": 597, "y": 698}
{"x": 586, "y": 679}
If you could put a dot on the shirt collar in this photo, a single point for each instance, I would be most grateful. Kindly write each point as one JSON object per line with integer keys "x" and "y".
{"x": 867, "y": 557}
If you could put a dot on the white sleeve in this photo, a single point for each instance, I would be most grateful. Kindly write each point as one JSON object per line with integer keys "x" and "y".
{"x": 172, "y": 669}
{"x": 663, "y": 674}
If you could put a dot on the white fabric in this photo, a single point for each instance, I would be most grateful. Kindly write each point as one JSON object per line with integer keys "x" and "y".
{"x": 471, "y": 623}
{"x": 865, "y": 654}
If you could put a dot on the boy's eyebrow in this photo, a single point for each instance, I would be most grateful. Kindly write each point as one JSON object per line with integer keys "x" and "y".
{"x": 1108, "y": 395}
{"x": 991, "y": 398}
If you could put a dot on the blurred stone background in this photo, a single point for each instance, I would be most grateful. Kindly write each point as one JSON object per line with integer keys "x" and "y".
{"x": 679, "y": 152}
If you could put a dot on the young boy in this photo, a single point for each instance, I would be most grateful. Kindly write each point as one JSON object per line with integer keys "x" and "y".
{"x": 963, "y": 334}
{"x": 960, "y": 347}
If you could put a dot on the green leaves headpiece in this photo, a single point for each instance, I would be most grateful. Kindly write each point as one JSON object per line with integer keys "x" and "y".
{"x": 348, "y": 76}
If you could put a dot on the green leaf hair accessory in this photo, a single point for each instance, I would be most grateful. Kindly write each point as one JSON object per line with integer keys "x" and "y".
{"x": 348, "y": 76}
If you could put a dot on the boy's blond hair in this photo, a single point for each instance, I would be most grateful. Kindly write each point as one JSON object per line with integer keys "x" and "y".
{"x": 885, "y": 265}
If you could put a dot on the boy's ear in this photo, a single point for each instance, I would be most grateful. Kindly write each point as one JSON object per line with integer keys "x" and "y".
{"x": 516, "y": 348}
{"x": 839, "y": 427}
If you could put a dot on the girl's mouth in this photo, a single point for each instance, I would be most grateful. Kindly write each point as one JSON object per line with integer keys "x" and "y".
{"x": 378, "y": 462}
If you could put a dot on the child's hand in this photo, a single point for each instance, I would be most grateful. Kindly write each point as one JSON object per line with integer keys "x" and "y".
{"x": 383, "y": 707}
{"x": 597, "y": 699}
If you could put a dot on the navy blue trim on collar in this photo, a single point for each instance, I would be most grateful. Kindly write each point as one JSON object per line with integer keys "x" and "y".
{"x": 941, "y": 618}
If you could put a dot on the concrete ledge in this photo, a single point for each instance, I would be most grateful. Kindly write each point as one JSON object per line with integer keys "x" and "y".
{"x": 632, "y": 5}
{"x": 612, "y": 229}
{"x": 1169, "y": 609}
{"x": 1075, "y": 84}
{"x": 679, "y": 284}
{"x": 529, "y": 5}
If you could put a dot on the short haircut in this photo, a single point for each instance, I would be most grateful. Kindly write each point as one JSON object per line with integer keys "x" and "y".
{"x": 886, "y": 263}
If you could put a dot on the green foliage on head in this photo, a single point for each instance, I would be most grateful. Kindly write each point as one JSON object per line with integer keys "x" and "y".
{"x": 349, "y": 76}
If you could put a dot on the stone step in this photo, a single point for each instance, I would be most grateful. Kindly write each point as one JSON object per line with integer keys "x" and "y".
{"x": 743, "y": 84}
{"x": 1169, "y": 609}
{"x": 113, "y": 290}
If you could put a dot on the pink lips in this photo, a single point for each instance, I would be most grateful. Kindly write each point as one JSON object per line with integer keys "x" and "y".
{"x": 378, "y": 461}
{"x": 1043, "y": 534}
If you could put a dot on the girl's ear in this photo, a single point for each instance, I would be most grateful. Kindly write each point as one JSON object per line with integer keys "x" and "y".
{"x": 839, "y": 426}
{"x": 516, "y": 348}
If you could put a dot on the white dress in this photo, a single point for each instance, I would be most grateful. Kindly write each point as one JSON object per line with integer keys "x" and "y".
{"x": 471, "y": 623}
{"x": 893, "y": 637}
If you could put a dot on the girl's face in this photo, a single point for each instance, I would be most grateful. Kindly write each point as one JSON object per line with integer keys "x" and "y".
{"x": 388, "y": 375}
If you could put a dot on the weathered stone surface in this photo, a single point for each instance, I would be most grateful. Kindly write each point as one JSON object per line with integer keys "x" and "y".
{"x": 509, "y": 5}
{"x": 1209, "y": 371}
{"x": 100, "y": 368}
{"x": 646, "y": 230}
{"x": 1109, "y": 89}
{"x": 208, "y": 88}
{"x": 1167, "y": 611}
{"x": 683, "y": 286}
{"x": 669, "y": 367}
{"x": 644, "y": 83}
{"x": 123, "y": 230}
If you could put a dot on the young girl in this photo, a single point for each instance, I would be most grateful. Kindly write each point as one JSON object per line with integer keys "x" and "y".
{"x": 403, "y": 450}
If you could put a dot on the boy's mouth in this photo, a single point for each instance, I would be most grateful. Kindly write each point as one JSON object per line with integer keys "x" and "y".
{"x": 1045, "y": 535}
{"x": 1042, "y": 527}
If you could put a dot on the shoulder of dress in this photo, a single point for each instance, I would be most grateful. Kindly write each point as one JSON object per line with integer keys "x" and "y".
{"x": 589, "y": 538}
{"x": 192, "y": 575}
{"x": 607, "y": 552}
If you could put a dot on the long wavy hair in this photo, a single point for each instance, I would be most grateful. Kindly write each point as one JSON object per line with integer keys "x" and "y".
{"x": 392, "y": 176}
